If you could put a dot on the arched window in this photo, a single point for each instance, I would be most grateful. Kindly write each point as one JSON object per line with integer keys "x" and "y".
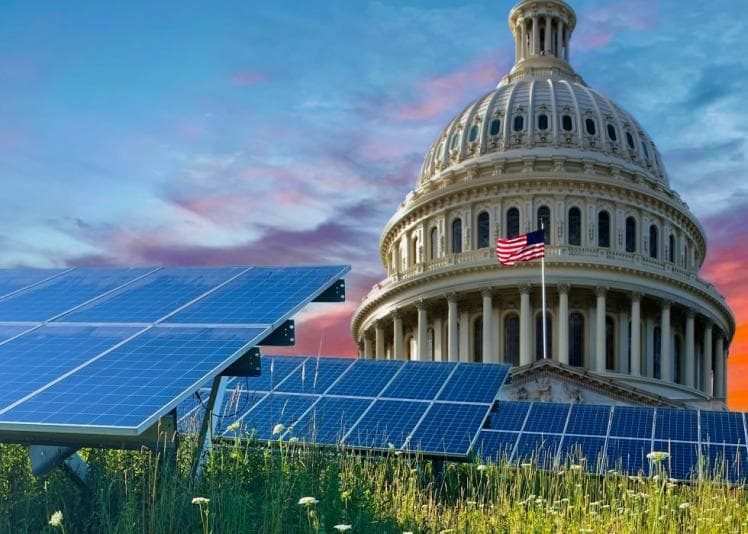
{"x": 610, "y": 344}
{"x": 511, "y": 339}
{"x": 589, "y": 125}
{"x": 519, "y": 123}
{"x": 414, "y": 251}
{"x": 612, "y": 135}
{"x": 630, "y": 140}
{"x": 542, "y": 121}
{"x": 653, "y": 241}
{"x": 603, "y": 229}
{"x": 678, "y": 368}
{"x": 539, "y": 335}
{"x": 473, "y": 134}
{"x": 484, "y": 229}
{"x": 576, "y": 339}
{"x": 544, "y": 221}
{"x": 478, "y": 339}
{"x": 671, "y": 248}
{"x": 457, "y": 236}
{"x": 575, "y": 226}
{"x": 646, "y": 150}
{"x": 630, "y": 234}
{"x": 455, "y": 141}
{"x": 566, "y": 123}
{"x": 495, "y": 127}
{"x": 512, "y": 223}
{"x": 657, "y": 351}
{"x": 434, "y": 243}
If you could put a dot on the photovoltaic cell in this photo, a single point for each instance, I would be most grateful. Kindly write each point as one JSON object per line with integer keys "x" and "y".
{"x": 275, "y": 409}
{"x": 448, "y": 428}
{"x": 496, "y": 446}
{"x": 330, "y": 420}
{"x": 475, "y": 382}
{"x": 628, "y": 455}
{"x": 421, "y": 380}
{"x": 509, "y": 415}
{"x": 588, "y": 419}
{"x": 547, "y": 418}
{"x": 153, "y": 297}
{"x": 41, "y": 356}
{"x": 64, "y": 292}
{"x": 315, "y": 375}
{"x": 632, "y": 422}
{"x": 541, "y": 448}
{"x": 274, "y": 371}
{"x": 682, "y": 462}
{"x": 366, "y": 378}
{"x": 14, "y": 279}
{"x": 725, "y": 462}
{"x": 387, "y": 424}
{"x": 676, "y": 424}
{"x": 588, "y": 451}
{"x": 260, "y": 296}
{"x": 131, "y": 386}
{"x": 722, "y": 427}
{"x": 7, "y": 332}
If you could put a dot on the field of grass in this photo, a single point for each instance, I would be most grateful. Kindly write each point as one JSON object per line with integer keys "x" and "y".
{"x": 294, "y": 488}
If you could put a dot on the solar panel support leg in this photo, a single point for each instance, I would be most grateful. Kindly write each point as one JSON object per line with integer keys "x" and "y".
{"x": 44, "y": 458}
{"x": 209, "y": 424}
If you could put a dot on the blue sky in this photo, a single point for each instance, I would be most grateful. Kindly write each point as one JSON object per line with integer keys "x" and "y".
{"x": 255, "y": 132}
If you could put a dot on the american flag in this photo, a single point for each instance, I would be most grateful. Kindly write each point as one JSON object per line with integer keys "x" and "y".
{"x": 525, "y": 247}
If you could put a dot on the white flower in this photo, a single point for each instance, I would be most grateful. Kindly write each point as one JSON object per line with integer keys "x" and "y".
{"x": 482, "y": 467}
{"x": 526, "y": 465}
{"x": 278, "y": 429}
{"x": 233, "y": 427}
{"x": 308, "y": 501}
{"x": 575, "y": 467}
{"x": 658, "y": 456}
{"x": 200, "y": 500}
{"x": 684, "y": 505}
{"x": 342, "y": 528}
{"x": 56, "y": 519}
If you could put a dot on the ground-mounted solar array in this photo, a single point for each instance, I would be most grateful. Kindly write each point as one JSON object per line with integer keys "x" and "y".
{"x": 110, "y": 351}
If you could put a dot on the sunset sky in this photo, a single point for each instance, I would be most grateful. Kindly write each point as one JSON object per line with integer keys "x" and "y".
{"x": 242, "y": 132}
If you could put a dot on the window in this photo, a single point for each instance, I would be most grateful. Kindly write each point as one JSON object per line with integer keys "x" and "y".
{"x": 495, "y": 127}
{"x": 646, "y": 150}
{"x": 576, "y": 339}
{"x": 630, "y": 234}
{"x": 630, "y": 140}
{"x": 483, "y": 230}
{"x": 539, "y": 336}
{"x": 434, "y": 243}
{"x": 603, "y": 229}
{"x": 653, "y": 241}
{"x": 519, "y": 123}
{"x": 610, "y": 344}
{"x": 575, "y": 227}
{"x": 478, "y": 339}
{"x": 473, "y": 134}
{"x": 566, "y": 123}
{"x": 512, "y": 223}
{"x": 542, "y": 122}
{"x": 457, "y": 236}
{"x": 657, "y": 352}
{"x": 511, "y": 339}
{"x": 671, "y": 249}
{"x": 678, "y": 367}
{"x": 612, "y": 135}
{"x": 589, "y": 125}
{"x": 544, "y": 222}
{"x": 414, "y": 251}
{"x": 455, "y": 141}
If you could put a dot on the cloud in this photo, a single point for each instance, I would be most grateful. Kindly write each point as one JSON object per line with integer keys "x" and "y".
{"x": 597, "y": 26}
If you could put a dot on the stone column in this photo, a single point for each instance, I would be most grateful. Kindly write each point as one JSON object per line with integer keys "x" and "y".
{"x": 487, "y": 348}
{"x": 423, "y": 343}
{"x": 690, "y": 362}
{"x": 719, "y": 371}
{"x": 535, "y": 36}
{"x": 547, "y": 43}
{"x": 560, "y": 39}
{"x": 454, "y": 346}
{"x": 666, "y": 358}
{"x": 636, "y": 336}
{"x": 379, "y": 342}
{"x": 566, "y": 44}
{"x": 623, "y": 342}
{"x": 525, "y": 343}
{"x": 496, "y": 341}
{"x": 517, "y": 45}
{"x": 465, "y": 336}
{"x": 563, "y": 324}
{"x": 706, "y": 359}
{"x": 397, "y": 332}
{"x": 438, "y": 343}
{"x": 649, "y": 353}
{"x": 367, "y": 348}
{"x": 523, "y": 49}
{"x": 600, "y": 330}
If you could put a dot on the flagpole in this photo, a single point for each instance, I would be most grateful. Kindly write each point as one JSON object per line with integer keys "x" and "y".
{"x": 542, "y": 277}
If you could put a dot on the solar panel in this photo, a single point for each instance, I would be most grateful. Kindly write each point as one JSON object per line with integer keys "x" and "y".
{"x": 62, "y": 293}
{"x": 152, "y": 297}
{"x": 682, "y": 462}
{"x": 419, "y": 381}
{"x": 725, "y": 462}
{"x": 588, "y": 451}
{"x": 676, "y": 424}
{"x": 12, "y": 280}
{"x": 315, "y": 375}
{"x": 475, "y": 382}
{"x": 589, "y": 419}
{"x": 547, "y": 418}
{"x": 366, "y": 378}
{"x": 274, "y": 371}
{"x": 509, "y": 415}
{"x": 387, "y": 424}
{"x": 330, "y": 420}
{"x": 722, "y": 427}
{"x": 540, "y": 448}
{"x": 9, "y": 331}
{"x": 262, "y": 421}
{"x": 260, "y": 296}
{"x": 497, "y": 446}
{"x": 462, "y": 422}
{"x": 628, "y": 455}
{"x": 632, "y": 422}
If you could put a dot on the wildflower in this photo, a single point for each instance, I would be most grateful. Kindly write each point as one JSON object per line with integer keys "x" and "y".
{"x": 308, "y": 501}
{"x": 526, "y": 465}
{"x": 575, "y": 467}
{"x": 200, "y": 500}
{"x": 470, "y": 503}
{"x": 684, "y": 505}
{"x": 233, "y": 427}
{"x": 482, "y": 467}
{"x": 278, "y": 429}
{"x": 56, "y": 519}
{"x": 293, "y": 439}
{"x": 342, "y": 528}
{"x": 658, "y": 456}
{"x": 586, "y": 530}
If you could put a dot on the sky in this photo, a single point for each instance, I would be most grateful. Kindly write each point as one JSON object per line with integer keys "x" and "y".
{"x": 235, "y": 132}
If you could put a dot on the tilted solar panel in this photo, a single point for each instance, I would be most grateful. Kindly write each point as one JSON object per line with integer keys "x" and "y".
{"x": 725, "y": 462}
{"x": 588, "y": 451}
{"x": 263, "y": 419}
{"x": 677, "y": 424}
{"x": 496, "y": 445}
{"x": 632, "y": 422}
{"x": 589, "y": 419}
{"x": 8, "y": 331}
{"x": 539, "y": 448}
{"x": 509, "y": 415}
{"x": 366, "y": 378}
{"x": 315, "y": 375}
{"x": 420, "y": 381}
{"x": 448, "y": 428}
{"x": 329, "y": 420}
{"x": 628, "y": 455}
{"x": 387, "y": 424}
{"x": 12, "y": 280}
{"x": 722, "y": 427}
{"x": 475, "y": 383}
{"x": 682, "y": 461}
{"x": 273, "y": 371}
{"x": 547, "y": 418}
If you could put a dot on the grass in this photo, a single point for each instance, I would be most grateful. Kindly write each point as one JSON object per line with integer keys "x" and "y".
{"x": 249, "y": 488}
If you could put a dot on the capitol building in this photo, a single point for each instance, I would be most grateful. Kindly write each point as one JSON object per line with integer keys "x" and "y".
{"x": 628, "y": 319}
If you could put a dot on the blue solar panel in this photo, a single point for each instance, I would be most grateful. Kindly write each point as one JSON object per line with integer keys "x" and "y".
{"x": 41, "y": 356}
{"x": 366, "y": 378}
{"x": 675, "y": 424}
{"x": 509, "y": 415}
{"x": 448, "y": 428}
{"x": 722, "y": 427}
{"x": 541, "y": 448}
{"x": 682, "y": 462}
{"x": 632, "y": 422}
{"x": 265, "y": 416}
{"x": 273, "y": 371}
{"x": 496, "y": 446}
{"x": 134, "y": 384}
{"x": 419, "y": 380}
{"x": 387, "y": 424}
{"x": 7, "y": 332}
{"x": 726, "y": 462}
{"x": 475, "y": 382}
{"x": 628, "y": 455}
{"x": 330, "y": 420}
{"x": 547, "y": 417}
{"x": 585, "y": 450}
{"x": 152, "y": 297}
{"x": 62, "y": 293}
{"x": 14, "y": 279}
{"x": 315, "y": 375}
{"x": 588, "y": 419}
{"x": 260, "y": 296}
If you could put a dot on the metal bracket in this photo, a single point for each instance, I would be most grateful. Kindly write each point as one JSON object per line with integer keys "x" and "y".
{"x": 247, "y": 365}
{"x": 44, "y": 458}
{"x": 283, "y": 336}
{"x": 334, "y": 293}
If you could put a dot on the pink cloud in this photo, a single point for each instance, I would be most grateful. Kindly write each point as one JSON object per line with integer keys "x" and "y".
{"x": 599, "y": 25}
{"x": 248, "y": 77}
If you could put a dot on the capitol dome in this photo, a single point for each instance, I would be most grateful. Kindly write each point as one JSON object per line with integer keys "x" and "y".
{"x": 628, "y": 318}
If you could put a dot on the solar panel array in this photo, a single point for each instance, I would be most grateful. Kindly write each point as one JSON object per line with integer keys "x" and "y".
{"x": 600, "y": 438}
{"x": 434, "y": 407}
{"x": 110, "y": 351}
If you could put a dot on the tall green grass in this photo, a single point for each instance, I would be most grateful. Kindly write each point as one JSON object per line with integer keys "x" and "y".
{"x": 250, "y": 488}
